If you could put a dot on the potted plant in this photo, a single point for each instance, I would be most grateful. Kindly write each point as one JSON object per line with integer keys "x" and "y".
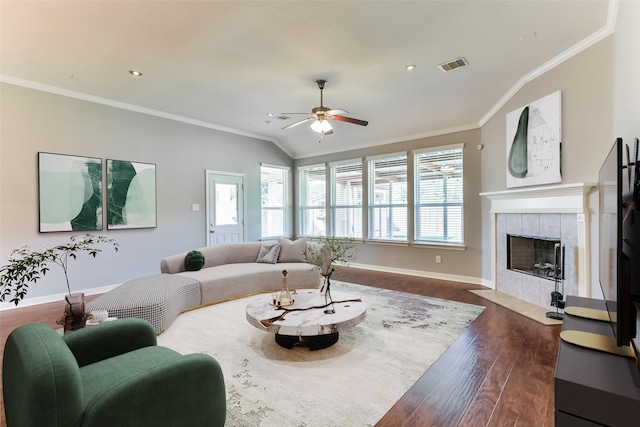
{"x": 27, "y": 266}
{"x": 331, "y": 253}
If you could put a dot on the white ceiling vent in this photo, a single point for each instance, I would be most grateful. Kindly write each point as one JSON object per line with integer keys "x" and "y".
{"x": 452, "y": 65}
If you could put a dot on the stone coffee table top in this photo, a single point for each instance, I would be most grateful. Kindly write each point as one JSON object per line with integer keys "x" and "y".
{"x": 349, "y": 311}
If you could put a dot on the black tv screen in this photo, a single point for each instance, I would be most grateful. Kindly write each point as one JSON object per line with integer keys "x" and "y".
{"x": 616, "y": 250}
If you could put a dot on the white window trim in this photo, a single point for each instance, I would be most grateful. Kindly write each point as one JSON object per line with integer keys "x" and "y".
{"x": 331, "y": 196}
{"x": 438, "y": 148}
{"x": 367, "y": 207}
{"x": 428, "y": 243}
{"x": 299, "y": 208}
{"x": 286, "y": 227}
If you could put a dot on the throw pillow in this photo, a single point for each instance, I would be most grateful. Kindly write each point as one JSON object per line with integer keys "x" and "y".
{"x": 269, "y": 253}
{"x": 292, "y": 250}
{"x": 194, "y": 261}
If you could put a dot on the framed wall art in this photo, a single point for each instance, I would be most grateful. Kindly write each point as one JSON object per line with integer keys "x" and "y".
{"x": 70, "y": 192}
{"x": 534, "y": 143}
{"x": 131, "y": 195}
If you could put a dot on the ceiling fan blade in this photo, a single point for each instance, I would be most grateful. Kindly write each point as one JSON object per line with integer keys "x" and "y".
{"x": 350, "y": 120}
{"x": 299, "y": 122}
{"x": 336, "y": 111}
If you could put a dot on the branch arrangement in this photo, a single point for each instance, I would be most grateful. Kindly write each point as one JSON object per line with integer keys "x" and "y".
{"x": 332, "y": 252}
{"x": 27, "y": 266}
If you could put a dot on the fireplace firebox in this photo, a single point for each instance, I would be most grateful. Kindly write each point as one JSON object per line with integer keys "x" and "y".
{"x": 533, "y": 255}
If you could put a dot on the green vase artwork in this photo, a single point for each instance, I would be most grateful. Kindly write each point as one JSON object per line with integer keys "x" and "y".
{"x": 517, "y": 163}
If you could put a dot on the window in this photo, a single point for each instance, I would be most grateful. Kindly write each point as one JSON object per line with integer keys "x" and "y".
{"x": 273, "y": 193}
{"x": 346, "y": 199}
{"x": 388, "y": 197}
{"x": 312, "y": 205}
{"x": 438, "y": 195}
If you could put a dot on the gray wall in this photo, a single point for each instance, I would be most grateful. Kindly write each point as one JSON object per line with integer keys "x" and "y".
{"x": 34, "y": 121}
{"x": 456, "y": 264}
{"x": 599, "y": 103}
{"x": 585, "y": 81}
{"x": 599, "y": 88}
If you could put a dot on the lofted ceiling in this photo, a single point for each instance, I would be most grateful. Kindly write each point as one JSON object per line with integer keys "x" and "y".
{"x": 227, "y": 64}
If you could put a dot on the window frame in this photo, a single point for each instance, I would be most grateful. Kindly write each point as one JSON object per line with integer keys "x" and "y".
{"x": 371, "y": 206}
{"x": 285, "y": 208}
{"x": 334, "y": 206}
{"x": 304, "y": 208}
{"x": 418, "y": 204}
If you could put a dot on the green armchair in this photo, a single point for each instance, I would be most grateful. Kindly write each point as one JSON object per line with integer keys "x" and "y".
{"x": 112, "y": 374}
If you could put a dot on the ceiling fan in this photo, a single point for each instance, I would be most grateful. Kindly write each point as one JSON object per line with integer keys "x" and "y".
{"x": 321, "y": 115}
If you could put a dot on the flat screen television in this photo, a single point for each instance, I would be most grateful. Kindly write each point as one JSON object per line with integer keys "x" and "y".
{"x": 619, "y": 239}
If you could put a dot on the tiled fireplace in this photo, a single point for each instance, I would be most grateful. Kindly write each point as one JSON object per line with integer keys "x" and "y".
{"x": 537, "y": 256}
{"x": 554, "y": 214}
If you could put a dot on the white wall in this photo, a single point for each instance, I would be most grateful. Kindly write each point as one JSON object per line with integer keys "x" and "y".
{"x": 626, "y": 71}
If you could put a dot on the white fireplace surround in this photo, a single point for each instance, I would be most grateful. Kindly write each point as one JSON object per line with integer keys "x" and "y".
{"x": 572, "y": 199}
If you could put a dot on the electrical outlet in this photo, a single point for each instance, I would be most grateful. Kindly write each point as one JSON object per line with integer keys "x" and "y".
{"x": 438, "y": 259}
{"x": 195, "y": 207}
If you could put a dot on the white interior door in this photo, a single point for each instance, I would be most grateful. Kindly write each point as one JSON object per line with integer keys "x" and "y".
{"x": 225, "y": 208}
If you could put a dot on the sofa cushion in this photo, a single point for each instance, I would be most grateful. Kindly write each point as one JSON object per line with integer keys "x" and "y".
{"x": 269, "y": 253}
{"x": 193, "y": 261}
{"x": 292, "y": 250}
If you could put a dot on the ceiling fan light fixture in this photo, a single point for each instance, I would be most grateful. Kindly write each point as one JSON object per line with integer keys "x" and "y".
{"x": 321, "y": 126}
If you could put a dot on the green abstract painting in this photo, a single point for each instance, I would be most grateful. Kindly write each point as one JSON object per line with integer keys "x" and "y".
{"x": 131, "y": 195}
{"x": 70, "y": 192}
{"x": 534, "y": 143}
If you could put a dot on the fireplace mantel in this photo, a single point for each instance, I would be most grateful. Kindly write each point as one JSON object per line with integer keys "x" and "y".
{"x": 564, "y": 199}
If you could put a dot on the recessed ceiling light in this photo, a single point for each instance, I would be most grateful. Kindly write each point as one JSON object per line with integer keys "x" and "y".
{"x": 410, "y": 67}
{"x": 135, "y": 73}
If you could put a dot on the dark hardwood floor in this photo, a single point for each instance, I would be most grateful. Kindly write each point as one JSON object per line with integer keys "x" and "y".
{"x": 498, "y": 373}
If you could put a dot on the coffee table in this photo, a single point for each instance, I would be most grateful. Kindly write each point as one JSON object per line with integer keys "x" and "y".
{"x": 305, "y": 322}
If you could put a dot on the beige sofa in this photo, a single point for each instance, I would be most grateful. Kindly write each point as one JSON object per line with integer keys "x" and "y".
{"x": 231, "y": 270}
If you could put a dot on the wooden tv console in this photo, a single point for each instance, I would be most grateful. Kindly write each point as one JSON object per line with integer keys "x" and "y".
{"x": 593, "y": 388}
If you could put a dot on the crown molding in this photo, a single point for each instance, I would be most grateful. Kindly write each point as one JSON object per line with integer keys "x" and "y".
{"x": 594, "y": 38}
{"x": 131, "y": 107}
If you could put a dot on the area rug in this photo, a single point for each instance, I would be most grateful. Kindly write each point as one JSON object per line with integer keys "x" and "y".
{"x": 352, "y": 383}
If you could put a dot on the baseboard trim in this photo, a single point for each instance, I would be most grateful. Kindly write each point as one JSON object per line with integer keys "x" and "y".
{"x": 488, "y": 283}
{"x": 421, "y": 273}
{"x": 28, "y": 302}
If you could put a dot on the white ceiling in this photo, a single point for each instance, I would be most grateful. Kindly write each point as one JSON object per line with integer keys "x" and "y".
{"x": 226, "y": 64}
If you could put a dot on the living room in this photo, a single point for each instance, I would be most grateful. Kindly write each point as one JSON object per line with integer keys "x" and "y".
{"x": 595, "y": 84}
{"x": 598, "y": 81}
